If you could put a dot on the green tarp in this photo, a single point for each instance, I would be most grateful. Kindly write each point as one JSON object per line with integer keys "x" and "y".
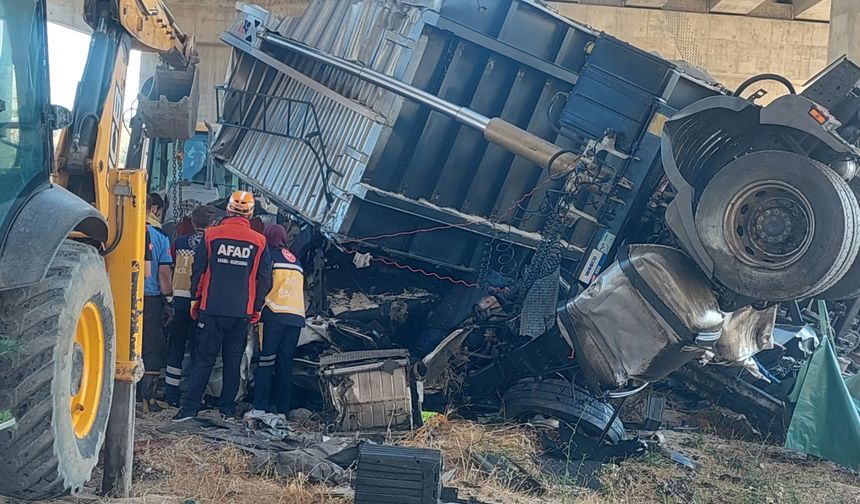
{"x": 826, "y": 419}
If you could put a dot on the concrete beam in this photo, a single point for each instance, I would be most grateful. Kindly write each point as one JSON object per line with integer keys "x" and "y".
{"x": 734, "y": 6}
{"x": 68, "y": 13}
{"x": 812, "y": 10}
{"x": 654, "y": 4}
{"x": 774, "y": 11}
{"x": 844, "y": 30}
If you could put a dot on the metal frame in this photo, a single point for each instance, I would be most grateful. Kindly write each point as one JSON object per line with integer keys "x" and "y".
{"x": 309, "y": 128}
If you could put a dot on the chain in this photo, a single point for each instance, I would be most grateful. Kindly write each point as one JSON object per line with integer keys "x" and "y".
{"x": 550, "y": 251}
{"x": 176, "y": 189}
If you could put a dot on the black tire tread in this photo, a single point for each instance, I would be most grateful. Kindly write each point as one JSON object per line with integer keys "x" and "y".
{"x": 817, "y": 277}
{"x": 848, "y": 284}
{"x": 29, "y": 468}
{"x": 852, "y": 243}
{"x": 562, "y": 400}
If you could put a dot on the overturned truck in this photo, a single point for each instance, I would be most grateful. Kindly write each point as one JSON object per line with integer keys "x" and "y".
{"x": 531, "y": 207}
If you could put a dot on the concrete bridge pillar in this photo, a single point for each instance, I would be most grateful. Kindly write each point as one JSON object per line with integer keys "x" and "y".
{"x": 844, "y": 29}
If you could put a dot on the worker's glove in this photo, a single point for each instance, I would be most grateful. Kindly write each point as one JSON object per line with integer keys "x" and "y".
{"x": 255, "y": 317}
{"x": 195, "y": 310}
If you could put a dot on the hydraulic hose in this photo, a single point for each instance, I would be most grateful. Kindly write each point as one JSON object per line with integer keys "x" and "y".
{"x": 763, "y": 77}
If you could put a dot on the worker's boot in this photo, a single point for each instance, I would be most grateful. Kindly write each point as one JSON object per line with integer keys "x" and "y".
{"x": 149, "y": 387}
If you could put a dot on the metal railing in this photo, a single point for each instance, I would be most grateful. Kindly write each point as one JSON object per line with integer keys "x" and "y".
{"x": 274, "y": 115}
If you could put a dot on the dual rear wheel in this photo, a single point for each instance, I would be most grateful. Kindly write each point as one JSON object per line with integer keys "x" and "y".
{"x": 780, "y": 226}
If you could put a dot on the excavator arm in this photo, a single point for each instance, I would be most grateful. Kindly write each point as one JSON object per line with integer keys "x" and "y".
{"x": 88, "y": 164}
{"x": 89, "y": 152}
{"x": 151, "y": 26}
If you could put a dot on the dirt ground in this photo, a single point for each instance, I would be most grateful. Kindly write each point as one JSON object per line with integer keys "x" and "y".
{"x": 186, "y": 469}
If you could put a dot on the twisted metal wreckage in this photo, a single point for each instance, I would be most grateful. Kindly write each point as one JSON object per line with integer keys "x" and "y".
{"x": 504, "y": 208}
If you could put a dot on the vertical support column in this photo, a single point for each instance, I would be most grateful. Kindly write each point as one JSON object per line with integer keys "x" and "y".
{"x": 125, "y": 263}
{"x": 844, "y": 30}
{"x": 119, "y": 442}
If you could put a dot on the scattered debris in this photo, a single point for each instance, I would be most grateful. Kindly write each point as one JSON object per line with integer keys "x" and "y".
{"x": 321, "y": 459}
{"x": 507, "y": 472}
{"x": 396, "y": 474}
{"x": 683, "y": 460}
{"x": 370, "y": 389}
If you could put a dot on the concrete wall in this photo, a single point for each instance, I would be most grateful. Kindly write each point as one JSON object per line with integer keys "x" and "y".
{"x": 207, "y": 19}
{"x": 68, "y": 13}
{"x": 731, "y": 48}
{"x": 845, "y": 29}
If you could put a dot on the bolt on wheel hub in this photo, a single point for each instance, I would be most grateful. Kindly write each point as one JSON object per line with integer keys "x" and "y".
{"x": 769, "y": 224}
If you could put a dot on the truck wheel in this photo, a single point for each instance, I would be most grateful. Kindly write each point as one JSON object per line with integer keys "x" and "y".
{"x": 849, "y": 286}
{"x": 564, "y": 401}
{"x": 57, "y": 381}
{"x": 778, "y": 226}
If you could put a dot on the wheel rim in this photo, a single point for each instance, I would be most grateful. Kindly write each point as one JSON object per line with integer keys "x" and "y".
{"x": 769, "y": 225}
{"x": 87, "y": 370}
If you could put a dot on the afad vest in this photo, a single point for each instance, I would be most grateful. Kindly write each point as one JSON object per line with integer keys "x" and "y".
{"x": 183, "y": 257}
{"x": 287, "y": 295}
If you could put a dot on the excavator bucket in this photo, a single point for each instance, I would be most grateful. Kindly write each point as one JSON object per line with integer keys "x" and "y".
{"x": 169, "y": 103}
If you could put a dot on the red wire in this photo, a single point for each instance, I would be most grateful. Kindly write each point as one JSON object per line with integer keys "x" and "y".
{"x": 431, "y": 274}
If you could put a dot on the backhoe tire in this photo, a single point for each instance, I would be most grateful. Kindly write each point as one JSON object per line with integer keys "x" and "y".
{"x": 778, "y": 226}
{"x": 51, "y": 328}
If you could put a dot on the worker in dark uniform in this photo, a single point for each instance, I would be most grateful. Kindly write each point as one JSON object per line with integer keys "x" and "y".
{"x": 156, "y": 287}
{"x": 184, "y": 328}
{"x": 283, "y": 318}
{"x": 230, "y": 278}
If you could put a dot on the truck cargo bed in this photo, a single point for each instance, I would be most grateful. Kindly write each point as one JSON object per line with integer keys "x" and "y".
{"x": 379, "y": 172}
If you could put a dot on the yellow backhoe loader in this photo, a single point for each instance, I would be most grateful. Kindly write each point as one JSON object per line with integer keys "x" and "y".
{"x": 72, "y": 243}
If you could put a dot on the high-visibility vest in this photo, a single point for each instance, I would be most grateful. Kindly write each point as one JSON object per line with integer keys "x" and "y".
{"x": 287, "y": 295}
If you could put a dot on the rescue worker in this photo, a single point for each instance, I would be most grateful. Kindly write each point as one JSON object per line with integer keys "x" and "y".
{"x": 283, "y": 319}
{"x": 230, "y": 278}
{"x": 147, "y": 256}
{"x": 184, "y": 328}
{"x": 156, "y": 287}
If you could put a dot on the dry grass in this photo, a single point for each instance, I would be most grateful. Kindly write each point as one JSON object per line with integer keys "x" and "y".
{"x": 458, "y": 439}
{"x": 729, "y": 471}
{"x": 186, "y": 468}
{"x": 191, "y": 469}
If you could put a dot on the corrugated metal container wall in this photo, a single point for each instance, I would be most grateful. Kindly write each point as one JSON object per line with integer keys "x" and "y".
{"x": 350, "y": 112}
{"x": 417, "y": 168}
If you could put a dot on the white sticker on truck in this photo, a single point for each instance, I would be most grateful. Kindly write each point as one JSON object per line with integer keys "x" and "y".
{"x": 591, "y": 266}
{"x": 606, "y": 241}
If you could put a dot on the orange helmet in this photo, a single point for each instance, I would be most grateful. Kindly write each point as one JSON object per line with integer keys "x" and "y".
{"x": 242, "y": 203}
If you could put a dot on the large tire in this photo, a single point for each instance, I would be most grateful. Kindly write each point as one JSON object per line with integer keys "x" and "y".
{"x": 849, "y": 286}
{"x": 778, "y": 226}
{"x": 43, "y": 456}
{"x": 565, "y": 402}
